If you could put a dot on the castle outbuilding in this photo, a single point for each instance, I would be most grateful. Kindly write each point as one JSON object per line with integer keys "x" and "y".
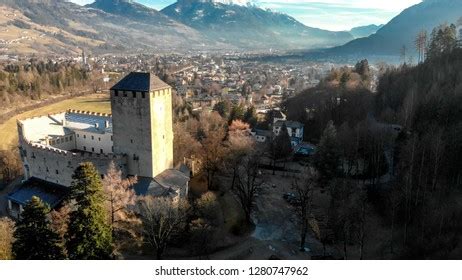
{"x": 137, "y": 137}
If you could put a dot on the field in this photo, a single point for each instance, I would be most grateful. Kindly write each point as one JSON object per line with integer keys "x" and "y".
{"x": 95, "y": 103}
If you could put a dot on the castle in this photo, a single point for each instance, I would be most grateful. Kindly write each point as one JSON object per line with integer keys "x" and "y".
{"x": 137, "y": 137}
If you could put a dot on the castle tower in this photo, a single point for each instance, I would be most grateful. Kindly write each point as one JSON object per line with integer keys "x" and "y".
{"x": 142, "y": 123}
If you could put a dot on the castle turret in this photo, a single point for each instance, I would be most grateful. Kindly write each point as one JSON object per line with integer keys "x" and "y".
{"x": 142, "y": 123}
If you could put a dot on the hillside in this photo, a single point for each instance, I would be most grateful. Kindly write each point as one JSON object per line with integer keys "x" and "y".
{"x": 248, "y": 26}
{"x": 403, "y": 29}
{"x": 61, "y": 27}
{"x": 365, "y": 31}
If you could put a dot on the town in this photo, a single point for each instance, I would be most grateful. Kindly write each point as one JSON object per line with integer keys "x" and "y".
{"x": 199, "y": 146}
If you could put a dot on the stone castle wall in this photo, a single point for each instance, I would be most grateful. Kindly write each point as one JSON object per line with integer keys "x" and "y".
{"x": 57, "y": 165}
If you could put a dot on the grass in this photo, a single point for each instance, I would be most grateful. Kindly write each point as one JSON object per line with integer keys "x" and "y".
{"x": 95, "y": 103}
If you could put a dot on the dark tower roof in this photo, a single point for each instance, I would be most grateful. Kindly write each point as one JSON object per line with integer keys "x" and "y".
{"x": 140, "y": 81}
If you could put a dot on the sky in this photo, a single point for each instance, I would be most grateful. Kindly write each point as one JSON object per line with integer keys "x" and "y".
{"x": 333, "y": 15}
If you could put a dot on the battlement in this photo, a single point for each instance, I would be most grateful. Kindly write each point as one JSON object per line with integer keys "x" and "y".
{"x": 80, "y": 154}
{"x": 89, "y": 113}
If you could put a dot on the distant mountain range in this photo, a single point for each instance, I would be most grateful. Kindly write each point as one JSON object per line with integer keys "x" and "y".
{"x": 365, "y": 31}
{"x": 403, "y": 29}
{"x": 60, "y": 27}
{"x": 125, "y": 26}
{"x": 118, "y": 26}
{"x": 250, "y": 27}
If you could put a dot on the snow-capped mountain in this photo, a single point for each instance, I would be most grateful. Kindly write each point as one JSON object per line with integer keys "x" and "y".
{"x": 243, "y": 24}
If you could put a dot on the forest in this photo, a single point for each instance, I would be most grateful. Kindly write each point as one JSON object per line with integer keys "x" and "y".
{"x": 407, "y": 136}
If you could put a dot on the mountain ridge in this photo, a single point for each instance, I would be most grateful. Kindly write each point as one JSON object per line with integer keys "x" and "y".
{"x": 403, "y": 29}
{"x": 263, "y": 28}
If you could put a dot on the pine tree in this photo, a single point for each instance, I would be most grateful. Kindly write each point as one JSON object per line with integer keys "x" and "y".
{"x": 280, "y": 147}
{"x": 327, "y": 156}
{"x": 35, "y": 240}
{"x": 250, "y": 116}
{"x": 89, "y": 234}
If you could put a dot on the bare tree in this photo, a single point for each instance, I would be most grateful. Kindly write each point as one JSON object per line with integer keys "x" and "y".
{"x": 60, "y": 221}
{"x": 6, "y": 238}
{"x": 421, "y": 45}
{"x": 211, "y": 135}
{"x": 240, "y": 144}
{"x": 403, "y": 53}
{"x": 10, "y": 165}
{"x": 248, "y": 184}
{"x": 303, "y": 187}
{"x": 120, "y": 196}
{"x": 162, "y": 217}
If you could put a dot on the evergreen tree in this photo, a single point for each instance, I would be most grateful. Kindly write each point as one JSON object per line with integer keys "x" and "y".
{"x": 89, "y": 234}
{"x": 237, "y": 113}
{"x": 280, "y": 147}
{"x": 250, "y": 116}
{"x": 223, "y": 108}
{"x": 327, "y": 156}
{"x": 35, "y": 240}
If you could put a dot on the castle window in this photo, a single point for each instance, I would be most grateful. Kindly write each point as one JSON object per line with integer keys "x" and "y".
{"x": 78, "y": 135}
{"x": 57, "y": 172}
{"x": 99, "y": 138}
{"x": 116, "y": 93}
{"x": 92, "y": 137}
{"x": 70, "y": 138}
{"x": 134, "y": 94}
{"x": 84, "y": 136}
{"x": 143, "y": 94}
{"x": 92, "y": 149}
{"x": 48, "y": 170}
{"x": 125, "y": 94}
{"x": 84, "y": 148}
{"x": 111, "y": 138}
{"x": 101, "y": 151}
{"x": 131, "y": 141}
{"x": 112, "y": 148}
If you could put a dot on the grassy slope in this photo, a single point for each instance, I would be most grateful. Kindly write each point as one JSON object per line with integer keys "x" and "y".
{"x": 9, "y": 134}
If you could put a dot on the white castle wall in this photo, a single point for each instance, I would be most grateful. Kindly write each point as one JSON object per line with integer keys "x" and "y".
{"x": 93, "y": 142}
{"x": 58, "y": 166}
